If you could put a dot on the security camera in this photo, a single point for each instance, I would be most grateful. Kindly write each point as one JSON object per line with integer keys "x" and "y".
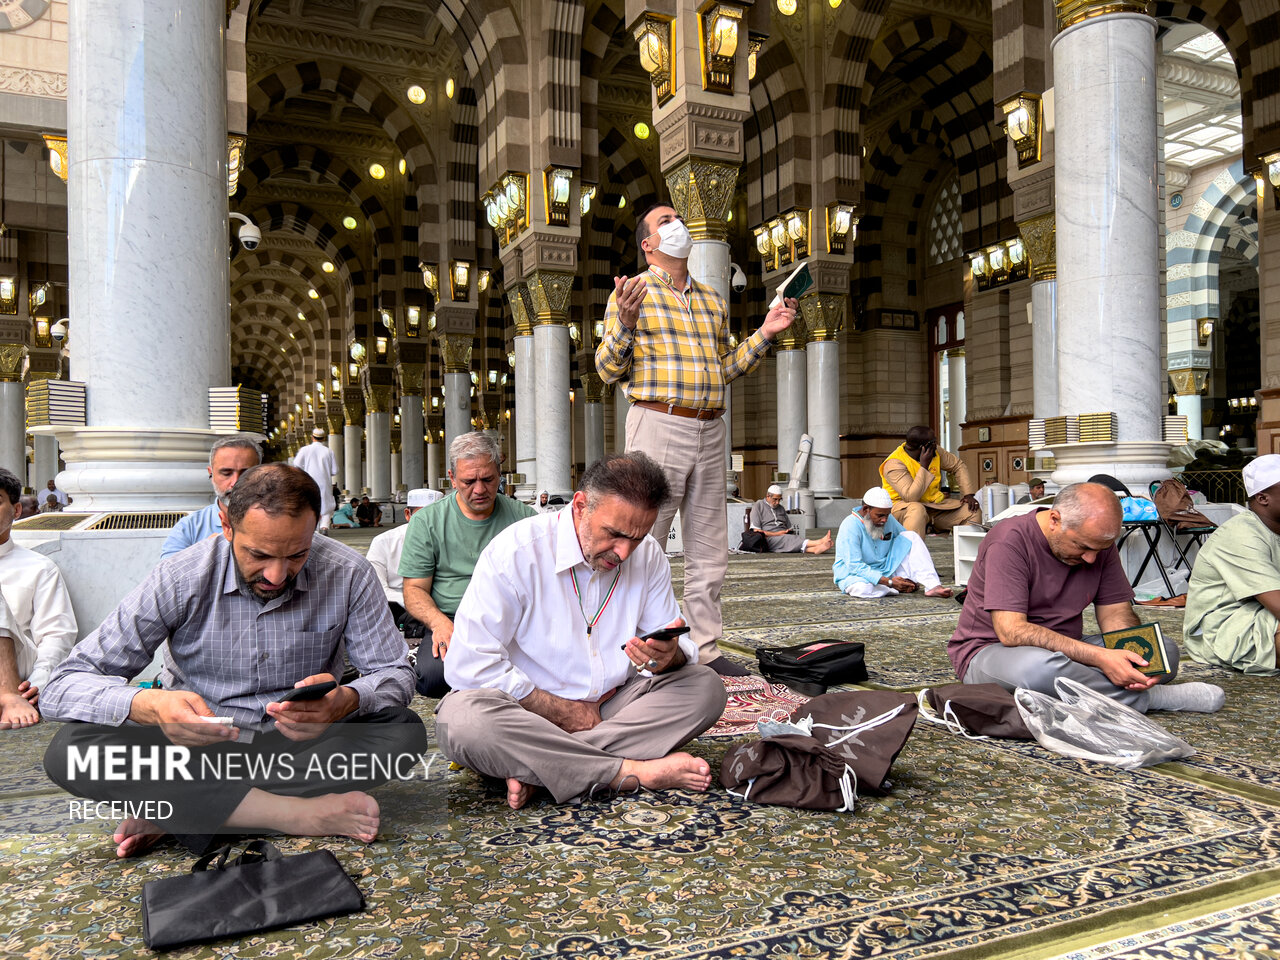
{"x": 739, "y": 279}
{"x": 250, "y": 236}
{"x": 59, "y": 330}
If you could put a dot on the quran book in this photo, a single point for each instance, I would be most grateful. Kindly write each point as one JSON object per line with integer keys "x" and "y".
{"x": 796, "y": 284}
{"x": 1147, "y": 641}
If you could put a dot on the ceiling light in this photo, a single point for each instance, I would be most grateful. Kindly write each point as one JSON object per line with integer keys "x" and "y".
{"x": 449, "y": 88}
{"x": 313, "y": 294}
{"x": 327, "y": 267}
{"x": 417, "y": 94}
{"x": 349, "y": 222}
{"x": 641, "y": 130}
{"x": 377, "y": 171}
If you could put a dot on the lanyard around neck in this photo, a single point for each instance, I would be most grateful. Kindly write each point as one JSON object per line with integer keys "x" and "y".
{"x": 592, "y": 621}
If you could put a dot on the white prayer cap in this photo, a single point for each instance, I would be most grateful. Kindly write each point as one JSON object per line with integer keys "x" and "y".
{"x": 774, "y": 490}
{"x": 877, "y": 497}
{"x": 1261, "y": 473}
{"x": 319, "y": 433}
{"x": 422, "y": 497}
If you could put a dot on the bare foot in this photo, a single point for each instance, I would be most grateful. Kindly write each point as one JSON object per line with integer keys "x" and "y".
{"x": 820, "y": 546}
{"x": 133, "y": 838}
{"x": 938, "y": 591}
{"x": 16, "y": 712}
{"x": 675, "y": 770}
{"x": 352, "y": 815}
{"x": 518, "y": 794}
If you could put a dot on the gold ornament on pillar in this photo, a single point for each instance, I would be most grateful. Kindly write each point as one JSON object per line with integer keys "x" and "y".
{"x": 378, "y": 397}
{"x": 411, "y": 375}
{"x": 702, "y": 193}
{"x": 1071, "y": 12}
{"x": 592, "y": 387}
{"x": 1040, "y": 238}
{"x": 823, "y": 315}
{"x": 455, "y": 351}
{"x": 11, "y": 357}
{"x": 334, "y": 422}
{"x": 1188, "y": 382}
{"x": 517, "y": 294}
{"x": 550, "y": 290}
{"x": 353, "y": 408}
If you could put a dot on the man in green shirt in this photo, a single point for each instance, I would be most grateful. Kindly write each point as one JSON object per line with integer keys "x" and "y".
{"x": 1233, "y": 600}
{"x": 443, "y": 543}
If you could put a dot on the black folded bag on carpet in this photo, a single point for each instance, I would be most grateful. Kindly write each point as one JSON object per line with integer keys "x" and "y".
{"x": 810, "y": 668}
{"x": 259, "y": 890}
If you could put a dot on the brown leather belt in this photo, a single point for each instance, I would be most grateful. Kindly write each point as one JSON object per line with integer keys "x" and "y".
{"x": 675, "y": 411}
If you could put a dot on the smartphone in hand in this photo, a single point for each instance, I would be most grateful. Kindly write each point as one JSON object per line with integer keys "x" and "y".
{"x": 312, "y": 691}
{"x": 666, "y": 633}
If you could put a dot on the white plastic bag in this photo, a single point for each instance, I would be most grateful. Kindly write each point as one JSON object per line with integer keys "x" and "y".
{"x": 1090, "y": 726}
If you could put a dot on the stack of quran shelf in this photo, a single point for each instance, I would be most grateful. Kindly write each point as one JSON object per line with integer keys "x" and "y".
{"x": 1095, "y": 427}
{"x": 236, "y": 408}
{"x": 1055, "y": 431}
{"x": 1173, "y": 429}
{"x": 58, "y": 403}
{"x": 1036, "y": 434}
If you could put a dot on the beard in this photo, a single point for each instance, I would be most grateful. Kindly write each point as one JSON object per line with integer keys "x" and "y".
{"x": 253, "y": 588}
{"x": 873, "y": 531}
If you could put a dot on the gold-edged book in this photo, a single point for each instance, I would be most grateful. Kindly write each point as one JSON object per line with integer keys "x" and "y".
{"x": 1147, "y": 641}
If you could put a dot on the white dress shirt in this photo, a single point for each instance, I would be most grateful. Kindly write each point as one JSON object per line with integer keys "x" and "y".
{"x": 36, "y": 596}
{"x": 384, "y": 553}
{"x": 520, "y": 627}
{"x": 322, "y": 466}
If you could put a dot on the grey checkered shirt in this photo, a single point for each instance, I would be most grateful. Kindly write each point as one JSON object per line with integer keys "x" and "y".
{"x": 238, "y": 653}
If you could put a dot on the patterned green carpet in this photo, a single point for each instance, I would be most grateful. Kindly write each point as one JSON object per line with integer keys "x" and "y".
{"x": 981, "y": 849}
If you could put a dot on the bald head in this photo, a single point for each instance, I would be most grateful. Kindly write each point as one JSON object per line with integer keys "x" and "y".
{"x": 1092, "y": 505}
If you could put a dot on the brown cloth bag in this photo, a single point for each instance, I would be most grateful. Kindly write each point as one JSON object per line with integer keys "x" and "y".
{"x": 1175, "y": 506}
{"x": 978, "y": 710}
{"x": 856, "y": 736}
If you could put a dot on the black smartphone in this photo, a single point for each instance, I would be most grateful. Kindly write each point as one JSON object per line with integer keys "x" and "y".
{"x": 666, "y": 633}
{"x": 311, "y": 692}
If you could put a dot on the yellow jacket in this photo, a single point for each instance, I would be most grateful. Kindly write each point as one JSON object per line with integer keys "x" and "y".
{"x": 905, "y": 479}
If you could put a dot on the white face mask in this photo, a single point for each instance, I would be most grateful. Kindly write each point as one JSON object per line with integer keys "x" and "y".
{"x": 674, "y": 239}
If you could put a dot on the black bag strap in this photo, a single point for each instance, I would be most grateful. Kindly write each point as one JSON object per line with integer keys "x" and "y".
{"x": 255, "y": 851}
{"x": 220, "y": 855}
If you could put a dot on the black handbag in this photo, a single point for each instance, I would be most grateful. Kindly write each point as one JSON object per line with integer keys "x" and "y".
{"x": 753, "y": 541}
{"x": 810, "y": 668}
{"x": 259, "y": 890}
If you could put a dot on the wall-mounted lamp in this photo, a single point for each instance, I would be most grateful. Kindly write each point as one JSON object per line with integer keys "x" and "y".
{"x": 8, "y": 295}
{"x": 430, "y": 278}
{"x": 42, "y": 337}
{"x": 1204, "y": 330}
{"x": 574, "y": 335}
{"x": 386, "y": 318}
{"x": 460, "y": 280}
{"x": 506, "y": 206}
{"x": 482, "y": 281}
{"x": 584, "y": 200}
{"x": 357, "y": 351}
{"x": 598, "y": 329}
{"x": 720, "y": 27}
{"x": 1023, "y": 121}
{"x": 842, "y": 227}
{"x": 413, "y": 321}
{"x": 1273, "y": 175}
{"x": 556, "y": 183}
{"x": 380, "y": 344}
{"x": 511, "y": 360}
{"x": 654, "y": 36}
{"x": 753, "y": 55}
{"x": 978, "y": 266}
{"x": 235, "y": 161}
{"x": 353, "y": 370}
{"x": 58, "y": 156}
{"x": 37, "y": 297}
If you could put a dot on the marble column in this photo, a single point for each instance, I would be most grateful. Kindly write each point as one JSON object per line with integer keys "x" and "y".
{"x": 793, "y": 397}
{"x": 337, "y": 444}
{"x": 352, "y": 438}
{"x": 549, "y": 292}
{"x": 621, "y": 407}
{"x": 1106, "y": 202}
{"x": 411, "y": 442}
{"x": 433, "y": 457}
{"x": 1038, "y": 238}
{"x": 823, "y": 319}
{"x": 13, "y": 417}
{"x": 592, "y": 417}
{"x": 455, "y": 351}
{"x": 397, "y": 468}
{"x": 378, "y": 444}
{"x": 147, "y": 248}
{"x": 1187, "y": 385}
{"x": 526, "y": 414}
{"x": 709, "y": 263}
{"x": 956, "y": 397}
{"x": 45, "y": 462}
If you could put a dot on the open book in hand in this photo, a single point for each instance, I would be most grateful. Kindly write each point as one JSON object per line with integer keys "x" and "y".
{"x": 796, "y": 284}
{"x": 1147, "y": 641}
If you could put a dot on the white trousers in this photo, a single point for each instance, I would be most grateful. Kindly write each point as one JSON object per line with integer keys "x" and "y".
{"x": 917, "y": 566}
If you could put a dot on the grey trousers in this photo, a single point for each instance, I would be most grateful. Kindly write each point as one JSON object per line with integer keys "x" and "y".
{"x": 490, "y": 732}
{"x": 1035, "y": 668}
{"x": 787, "y": 543}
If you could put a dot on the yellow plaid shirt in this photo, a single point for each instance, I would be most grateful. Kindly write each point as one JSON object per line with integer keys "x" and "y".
{"x": 679, "y": 351}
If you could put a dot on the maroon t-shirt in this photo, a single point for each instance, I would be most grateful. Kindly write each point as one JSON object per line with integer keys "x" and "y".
{"x": 1017, "y": 571}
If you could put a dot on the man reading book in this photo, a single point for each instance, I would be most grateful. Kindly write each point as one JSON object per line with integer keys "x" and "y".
{"x": 1023, "y": 624}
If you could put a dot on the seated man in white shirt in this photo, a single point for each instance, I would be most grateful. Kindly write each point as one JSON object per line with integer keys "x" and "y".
{"x": 385, "y": 549}
{"x": 43, "y": 624}
{"x": 552, "y": 686}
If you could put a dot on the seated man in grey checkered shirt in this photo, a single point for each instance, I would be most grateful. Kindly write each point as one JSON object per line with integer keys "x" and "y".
{"x": 247, "y": 617}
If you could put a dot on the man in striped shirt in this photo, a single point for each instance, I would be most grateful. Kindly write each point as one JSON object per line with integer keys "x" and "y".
{"x": 669, "y": 334}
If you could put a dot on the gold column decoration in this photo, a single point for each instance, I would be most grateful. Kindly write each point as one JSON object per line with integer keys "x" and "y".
{"x": 11, "y": 357}
{"x": 334, "y": 422}
{"x": 1071, "y": 12}
{"x": 353, "y": 408}
{"x": 794, "y": 337}
{"x": 1040, "y": 238}
{"x": 702, "y": 193}
{"x": 550, "y": 290}
{"x": 592, "y": 387}
{"x": 57, "y": 155}
{"x": 378, "y": 397}
{"x": 823, "y": 315}
{"x": 411, "y": 375}
{"x": 516, "y": 294}
{"x": 1188, "y": 382}
{"x": 455, "y": 351}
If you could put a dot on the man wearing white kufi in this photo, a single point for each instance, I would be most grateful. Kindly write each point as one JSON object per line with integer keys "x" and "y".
{"x": 876, "y": 556}
{"x": 322, "y": 467}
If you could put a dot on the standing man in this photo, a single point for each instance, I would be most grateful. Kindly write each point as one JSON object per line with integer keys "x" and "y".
{"x": 321, "y": 466}
{"x": 669, "y": 334}
{"x": 42, "y": 626}
{"x": 442, "y": 544}
{"x": 912, "y": 474}
{"x": 770, "y": 518}
{"x": 53, "y": 490}
{"x": 228, "y": 458}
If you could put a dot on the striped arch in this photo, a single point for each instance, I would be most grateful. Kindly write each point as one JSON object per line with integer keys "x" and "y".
{"x": 627, "y": 168}
{"x": 857, "y": 25}
{"x": 610, "y": 245}
{"x": 779, "y": 137}
{"x": 1193, "y": 254}
{"x": 952, "y": 75}
{"x": 272, "y": 293}
{"x": 559, "y": 99}
{"x": 247, "y": 265}
{"x": 1243, "y": 240}
{"x": 269, "y": 327}
{"x": 275, "y": 369}
{"x": 464, "y": 176}
{"x": 602, "y": 21}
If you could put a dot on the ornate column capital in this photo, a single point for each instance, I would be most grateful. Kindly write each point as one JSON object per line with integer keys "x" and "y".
{"x": 823, "y": 315}
{"x": 1071, "y": 12}
{"x": 353, "y": 406}
{"x": 378, "y": 397}
{"x": 521, "y": 302}
{"x": 11, "y": 357}
{"x": 455, "y": 351}
{"x": 334, "y": 421}
{"x": 1188, "y": 382}
{"x": 411, "y": 375}
{"x": 1040, "y": 238}
{"x": 592, "y": 387}
{"x": 550, "y": 291}
{"x": 702, "y": 192}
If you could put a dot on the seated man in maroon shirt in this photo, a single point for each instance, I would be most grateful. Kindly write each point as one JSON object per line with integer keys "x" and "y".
{"x": 1023, "y": 622}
